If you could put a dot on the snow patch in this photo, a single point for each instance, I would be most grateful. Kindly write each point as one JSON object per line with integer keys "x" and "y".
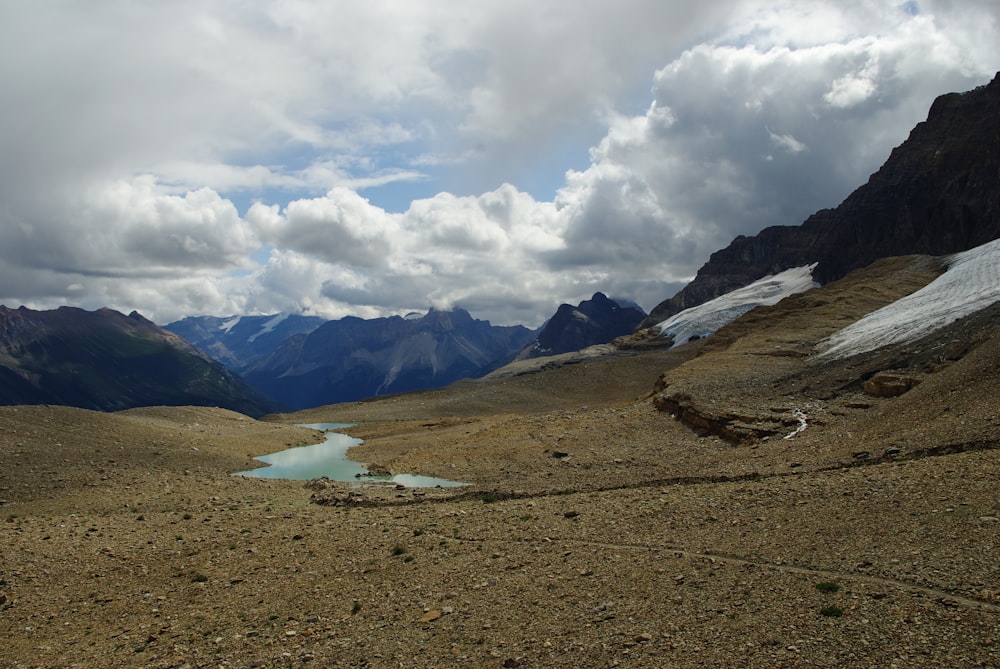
{"x": 971, "y": 283}
{"x": 230, "y": 324}
{"x": 268, "y": 326}
{"x": 705, "y": 319}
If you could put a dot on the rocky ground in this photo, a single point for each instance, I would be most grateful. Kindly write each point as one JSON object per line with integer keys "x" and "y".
{"x": 598, "y": 529}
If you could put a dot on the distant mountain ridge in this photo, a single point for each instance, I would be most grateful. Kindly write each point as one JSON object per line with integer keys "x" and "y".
{"x": 304, "y": 361}
{"x": 240, "y": 341}
{"x": 107, "y": 361}
{"x": 353, "y": 358}
{"x": 936, "y": 194}
{"x": 595, "y": 321}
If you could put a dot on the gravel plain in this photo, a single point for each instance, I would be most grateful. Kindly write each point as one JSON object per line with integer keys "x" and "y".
{"x": 598, "y": 531}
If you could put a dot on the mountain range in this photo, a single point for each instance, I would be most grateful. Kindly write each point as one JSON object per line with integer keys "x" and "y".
{"x": 354, "y": 358}
{"x": 105, "y": 360}
{"x": 240, "y": 341}
{"x": 302, "y": 361}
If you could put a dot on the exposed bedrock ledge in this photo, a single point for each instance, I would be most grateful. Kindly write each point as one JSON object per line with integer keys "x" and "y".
{"x": 732, "y": 427}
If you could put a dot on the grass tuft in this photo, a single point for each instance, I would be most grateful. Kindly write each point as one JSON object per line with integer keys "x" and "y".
{"x": 831, "y": 611}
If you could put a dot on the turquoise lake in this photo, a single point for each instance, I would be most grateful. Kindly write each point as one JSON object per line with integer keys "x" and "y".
{"x": 329, "y": 459}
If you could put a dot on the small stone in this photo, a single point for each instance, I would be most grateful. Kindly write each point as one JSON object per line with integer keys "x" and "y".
{"x": 430, "y": 616}
{"x": 644, "y": 637}
{"x": 887, "y": 384}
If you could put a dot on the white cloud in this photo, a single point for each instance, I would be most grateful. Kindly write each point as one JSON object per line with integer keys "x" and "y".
{"x": 787, "y": 142}
{"x": 849, "y": 90}
{"x": 151, "y": 155}
{"x": 341, "y": 227}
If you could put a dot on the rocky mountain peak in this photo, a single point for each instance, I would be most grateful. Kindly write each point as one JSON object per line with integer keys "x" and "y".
{"x": 934, "y": 195}
{"x": 595, "y": 321}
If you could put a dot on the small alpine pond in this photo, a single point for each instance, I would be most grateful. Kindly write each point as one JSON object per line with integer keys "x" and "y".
{"x": 329, "y": 459}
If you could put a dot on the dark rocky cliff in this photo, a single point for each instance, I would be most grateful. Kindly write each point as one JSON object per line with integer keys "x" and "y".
{"x": 594, "y": 321}
{"x": 938, "y": 193}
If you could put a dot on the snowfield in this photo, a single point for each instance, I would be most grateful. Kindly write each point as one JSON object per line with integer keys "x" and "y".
{"x": 971, "y": 283}
{"x": 703, "y": 320}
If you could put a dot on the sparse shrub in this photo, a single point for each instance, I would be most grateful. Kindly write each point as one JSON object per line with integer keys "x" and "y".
{"x": 199, "y": 578}
{"x": 489, "y": 498}
{"x": 418, "y": 532}
{"x": 356, "y": 608}
{"x": 828, "y": 586}
{"x": 398, "y": 550}
{"x": 186, "y": 516}
{"x": 408, "y": 558}
{"x": 832, "y": 611}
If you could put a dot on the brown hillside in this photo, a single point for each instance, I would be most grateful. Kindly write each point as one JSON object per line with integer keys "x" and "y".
{"x": 600, "y": 531}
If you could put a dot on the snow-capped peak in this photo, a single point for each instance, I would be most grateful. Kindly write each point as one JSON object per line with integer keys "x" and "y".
{"x": 705, "y": 319}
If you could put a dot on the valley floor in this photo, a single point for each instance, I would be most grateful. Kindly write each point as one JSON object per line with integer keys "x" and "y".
{"x": 598, "y": 532}
{"x": 598, "y": 535}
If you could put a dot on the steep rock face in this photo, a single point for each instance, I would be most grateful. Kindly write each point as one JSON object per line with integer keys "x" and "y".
{"x": 594, "y": 321}
{"x": 937, "y": 193}
{"x": 353, "y": 358}
{"x": 107, "y": 361}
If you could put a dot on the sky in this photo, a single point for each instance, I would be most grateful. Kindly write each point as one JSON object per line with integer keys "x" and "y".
{"x": 344, "y": 158}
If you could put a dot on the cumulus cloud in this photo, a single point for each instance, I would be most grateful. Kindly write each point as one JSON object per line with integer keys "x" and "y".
{"x": 381, "y": 157}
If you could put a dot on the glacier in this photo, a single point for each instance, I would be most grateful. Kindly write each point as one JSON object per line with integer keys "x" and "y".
{"x": 970, "y": 283}
{"x": 704, "y": 319}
